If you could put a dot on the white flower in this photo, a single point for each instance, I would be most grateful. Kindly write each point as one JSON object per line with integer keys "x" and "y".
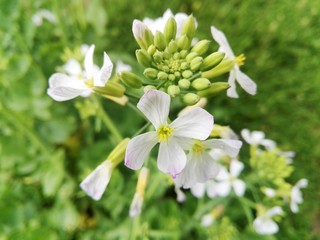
{"x": 269, "y": 192}
{"x": 197, "y": 123}
{"x": 42, "y": 14}
{"x": 207, "y": 220}
{"x": 201, "y": 166}
{"x": 230, "y": 180}
{"x": 296, "y": 195}
{"x": 96, "y": 182}
{"x": 121, "y": 66}
{"x": 235, "y": 74}
{"x": 257, "y": 138}
{"x": 64, "y": 87}
{"x": 264, "y": 224}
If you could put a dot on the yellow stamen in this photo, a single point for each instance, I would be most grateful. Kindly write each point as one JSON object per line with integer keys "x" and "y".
{"x": 198, "y": 147}
{"x": 240, "y": 60}
{"x": 89, "y": 82}
{"x": 164, "y": 133}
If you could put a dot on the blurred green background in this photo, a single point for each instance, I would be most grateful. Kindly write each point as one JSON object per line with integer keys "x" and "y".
{"x": 47, "y": 148}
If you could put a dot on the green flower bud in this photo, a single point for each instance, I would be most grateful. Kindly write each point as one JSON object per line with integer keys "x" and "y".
{"x": 173, "y": 90}
{"x": 189, "y": 27}
{"x": 113, "y": 89}
{"x": 166, "y": 55}
{"x": 172, "y": 47}
{"x": 170, "y": 29}
{"x": 200, "y": 84}
{"x": 196, "y": 63}
{"x": 150, "y": 73}
{"x": 162, "y": 76}
{"x": 212, "y": 60}
{"x": 148, "y": 87}
{"x": 190, "y": 98}
{"x": 191, "y": 56}
{"x": 148, "y": 37}
{"x": 201, "y": 47}
{"x": 184, "y": 43}
{"x": 143, "y": 57}
{"x": 165, "y": 69}
{"x": 225, "y": 66}
{"x": 183, "y": 53}
{"x": 176, "y": 56}
{"x": 187, "y": 74}
{"x": 130, "y": 79}
{"x": 159, "y": 41}
{"x": 177, "y": 74}
{"x": 157, "y": 57}
{"x": 184, "y": 65}
{"x": 171, "y": 77}
{"x": 214, "y": 89}
{"x": 184, "y": 83}
{"x": 151, "y": 50}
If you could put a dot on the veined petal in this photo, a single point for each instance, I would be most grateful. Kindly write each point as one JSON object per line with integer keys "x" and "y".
{"x": 232, "y": 92}
{"x": 138, "y": 148}
{"x": 171, "y": 157}
{"x": 88, "y": 62}
{"x": 236, "y": 168}
{"x": 196, "y": 123}
{"x": 246, "y": 83}
{"x": 104, "y": 73}
{"x": 265, "y": 226}
{"x": 205, "y": 168}
{"x": 221, "y": 39}
{"x": 198, "y": 190}
{"x": 155, "y": 106}
{"x": 239, "y": 187}
{"x": 96, "y": 182}
{"x": 187, "y": 178}
{"x": 230, "y": 147}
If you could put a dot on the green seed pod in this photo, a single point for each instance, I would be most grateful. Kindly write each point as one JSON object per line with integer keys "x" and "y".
{"x": 159, "y": 41}
{"x": 190, "y": 98}
{"x": 200, "y": 84}
{"x": 148, "y": 87}
{"x": 151, "y": 50}
{"x": 183, "y": 43}
{"x": 172, "y": 47}
{"x": 201, "y": 47}
{"x": 191, "y": 56}
{"x": 225, "y": 66}
{"x": 196, "y": 63}
{"x": 150, "y": 73}
{"x": 187, "y": 74}
{"x": 113, "y": 89}
{"x": 170, "y": 29}
{"x": 143, "y": 57}
{"x": 212, "y": 60}
{"x": 173, "y": 90}
{"x": 162, "y": 76}
{"x": 214, "y": 89}
{"x": 184, "y": 83}
{"x": 189, "y": 27}
{"x": 130, "y": 79}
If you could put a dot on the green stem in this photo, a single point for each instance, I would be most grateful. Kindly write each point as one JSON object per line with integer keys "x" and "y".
{"x": 142, "y": 129}
{"x": 134, "y": 228}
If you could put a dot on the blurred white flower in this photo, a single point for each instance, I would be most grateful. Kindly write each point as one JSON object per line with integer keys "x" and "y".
{"x": 155, "y": 105}
{"x": 41, "y": 15}
{"x": 207, "y": 220}
{"x": 235, "y": 74}
{"x": 264, "y": 224}
{"x": 257, "y": 138}
{"x": 228, "y": 180}
{"x": 270, "y": 192}
{"x": 199, "y": 189}
{"x": 181, "y": 196}
{"x": 64, "y": 87}
{"x": 296, "y": 195}
{"x": 121, "y": 66}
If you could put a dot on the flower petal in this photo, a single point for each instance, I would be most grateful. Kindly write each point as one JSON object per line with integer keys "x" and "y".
{"x": 138, "y": 148}
{"x": 246, "y": 83}
{"x": 232, "y": 92}
{"x": 181, "y": 197}
{"x": 246, "y": 135}
{"x": 96, "y": 182}
{"x": 205, "y": 168}
{"x": 171, "y": 157}
{"x": 268, "y": 144}
{"x": 265, "y": 226}
{"x": 230, "y": 147}
{"x": 155, "y": 106}
{"x": 221, "y": 39}
{"x": 207, "y": 220}
{"x": 196, "y": 123}
{"x": 88, "y": 62}
{"x": 223, "y": 188}
{"x": 104, "y": 73}
{"x": 72, "y": 67}
{"x": 274, "y": 211}
{"x": 198, "y": 190}
{"x": 239, "y": 187}
{"x": 211, "y": 189}
{"x": 236, "y": 168}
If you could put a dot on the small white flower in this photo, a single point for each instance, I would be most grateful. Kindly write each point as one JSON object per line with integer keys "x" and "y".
{"x": 155, "y": 105}
{"x": 235, "y": 74}
{"x": 201, "y": 166}
{"x": 96, "y": 182}
{"x": 228, "y": 180}
{"x": 207, "y": 220}
{"x": 296, "y": 195}
{"x": 264, "y": 224}
{"x": 257, "y": 138}
{"x": 64, "y": 87}
{"x": 42, "y": 14}
{"x": 199, "y": 189}
{"x": 270, "y": 192}
{"x": 121, "y": 66}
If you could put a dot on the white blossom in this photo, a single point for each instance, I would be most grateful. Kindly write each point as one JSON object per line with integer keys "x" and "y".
{"x": 257, "y": 138}
{"x": 264, "y": 224}
{"x": 43, "y": 14}
{"x": 296, "y": 194}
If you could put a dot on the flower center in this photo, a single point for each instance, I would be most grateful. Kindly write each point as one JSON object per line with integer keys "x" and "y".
{"x": 198, "y": 147}
{"x": 89, "y": 82}
{"x": 240, "y": 60}
{"x": 164, "y": 133}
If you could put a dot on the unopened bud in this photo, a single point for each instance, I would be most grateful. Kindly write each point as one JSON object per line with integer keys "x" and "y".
{"x": 173, "y": 47}
{"x": 177, "y": 74}
{"x": 151, "y": 50}
{"x": 176, "y": 56}
{"x": 148, "y": 87}
{"x": 183, "y": 42}
{"x": 225, "y": 66}
{"x": 130, "y": 79}
{"x": 184, "y": 65}
{"x": 201, "y": 47}
{"x": 117, "y": 154}
{"x": 138, "y": 29}
{"x": 159, "y": 41}
{"x": 148, "y": 37}
{"x": 191, "y": 56}
{"x": 187, "y": 74}
{"x": 214, "y": 89}
{"x": 190, "y": 98}
{"x": 143, "y": 57}
{"x": 200, "y": 84}
{"x": 196, "y": 63}
{"x": 113, "y": 89}
{"x": 166, "y": 55}
{"x": 184, "y": 83}
{"x": 162, "y": 76}
{"x": 212, "y": 60}
{"x": 173, "y": 90}
{"x": 157, "y": 57}
{"x": 184, "y": 53}
{"x": 171, "y": 77}
{"x": 170, "y": 29}
{"x": 150, "y": 73}
{"x": 189, "y": 27}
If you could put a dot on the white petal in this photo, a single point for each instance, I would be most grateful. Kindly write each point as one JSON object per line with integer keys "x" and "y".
{"x": 155, "y": 106}
{"x": 236, "y": 168}
{"x": 136, "y": 205}
{"x": 96, "y": 182}
{"x": 302, "y": 183}
{"x": 206, "y": 167}
{"x": 268, "y": 144}
{"x": 223, "y": 188}
{"x": 246, "y": 135}
{"x": 104, "y": 73}
{"x": 138, "y": 29}
{"x": 187, "y": 178}
{"x": 265, "y": 227}
{"x": 198, "y": 190}
{"x": 73, "y": 67}
{"x": 232, "y": 92}
{"x": 207, "y": 220}
{"x": 239, "y": 187}
{"x": 221, "y": 39}
{"x": 138, "y": 148}
{"x": 274, "y": 211}
{"x": 171, "y": 157}
{"x": 257, "y": 137}
{"x": 181, "y": 197}
{"x": 294, "y": 207}
{"x": 121, "y": 66}
{"x": 211, "y": 189}
{"x": 246, "y": 83}
{"x": 88, "y": 62}
{"x": 270, "y": 192}
{"x": 196, "y": 123}
{"x": 230, "y": 147}
{"x": 223, "y": 174}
